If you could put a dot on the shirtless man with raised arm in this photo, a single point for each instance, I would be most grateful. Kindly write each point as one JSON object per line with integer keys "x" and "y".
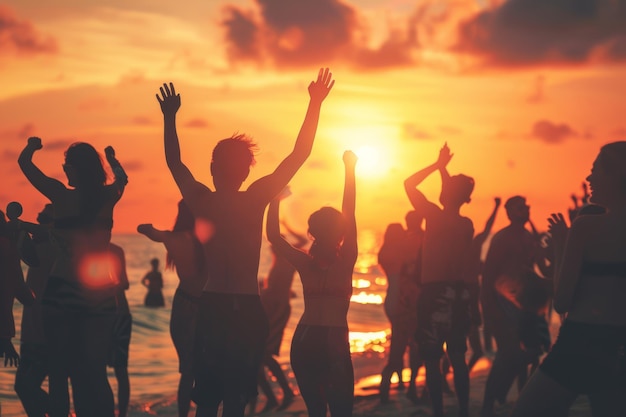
{"x": 232, "y": 324}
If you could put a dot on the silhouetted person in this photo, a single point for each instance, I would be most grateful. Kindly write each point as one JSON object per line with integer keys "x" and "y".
{"x": 118, "y": 357}
{"x": 444, "y": 313}
{"x": 413, "y": 270}
{"x": 511, "y": 258}
{"x": 153, "y": 281}
{"x": 320, "y": 348}
{"x": 393, "y": 256}
{"x": 276, "y": 298}
{"x": 79, "y": 305}
{"x": 590, "y": 287}
{"x": 185, "y": 254}
{"x": 35, "y": 357}
{"x": 233, "y": 325}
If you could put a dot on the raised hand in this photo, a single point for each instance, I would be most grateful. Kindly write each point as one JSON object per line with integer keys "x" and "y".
{"x": 498, "y": 201}
{"x": 319, "y": 89}
{"x": 169, "y": 100}
{"x": 557, "y": 227}
{"x": 444, "y": 156}
{"x": 109, "y": 152}
{"x": 35, "y": 142}
{"x": 349, "y": 159}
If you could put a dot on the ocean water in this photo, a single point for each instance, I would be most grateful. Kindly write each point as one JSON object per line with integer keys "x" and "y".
{"x": 153, "y": 364}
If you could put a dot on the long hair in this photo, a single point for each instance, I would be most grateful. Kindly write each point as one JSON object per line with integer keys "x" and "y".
{"x": 185, "y": 222}
{"x": 90, "y": 175}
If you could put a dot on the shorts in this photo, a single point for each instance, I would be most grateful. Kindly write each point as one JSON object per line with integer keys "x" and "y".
{"x": 183, "y": 324}
{"x": 118, "y": 354}
{"x": 443, "y": 316}
{"x": 230, "y": 342}
{"x": 588, "y": 358}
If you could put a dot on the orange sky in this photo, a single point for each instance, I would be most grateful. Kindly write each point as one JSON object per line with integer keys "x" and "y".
{"x": 524, "y": 97}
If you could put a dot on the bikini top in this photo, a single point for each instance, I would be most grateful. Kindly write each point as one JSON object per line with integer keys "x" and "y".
{"x": 616, "y": 269}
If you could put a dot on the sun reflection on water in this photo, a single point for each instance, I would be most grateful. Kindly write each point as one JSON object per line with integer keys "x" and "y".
{"x": 368, "y": 341}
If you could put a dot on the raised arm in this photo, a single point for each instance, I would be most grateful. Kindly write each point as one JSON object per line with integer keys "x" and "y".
{"x": 153, "y": 234}
{"x": 272, "y": 227}
{"x": 349, "y": 205}
{"x": 47, "y": 186}
{"x": 568, "y": 251}
{"x": 271, "y": 185}
{"x": 121, "y": 179}
{"x": 416, "y": 197}
{"x": 169, "y": 101}
{"x": 482, "y": 236}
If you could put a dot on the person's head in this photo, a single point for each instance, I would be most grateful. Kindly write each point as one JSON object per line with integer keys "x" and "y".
{"x": 517, "y": 210}
{"x": 83, "y": 166}
{"x": 46, "y": 215}
{"x": 414, "y": 220}
{"x": 456, "y": 191}
{"x": 607, "y": 180}
{"x": 14, "y": 210}
{"x": 231, "y": 161}
{"x": 394, "y": 234}
{"x": 326, "y": 227}
{"x": 155, "y": 263}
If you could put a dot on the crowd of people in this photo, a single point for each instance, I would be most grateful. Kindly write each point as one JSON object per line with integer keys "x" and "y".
{"x": 77, "y": 321}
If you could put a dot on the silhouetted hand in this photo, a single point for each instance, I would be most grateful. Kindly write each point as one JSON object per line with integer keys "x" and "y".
{"x": 557, "y": 228}
{"x": 318, "y": 90}
{"x": 349, "y": 159}
{"x": 11, "y": 358}
{"x": 169, "y": 100}
{"x": 35, "y": 142}
{"x": 498, "y": 201}
{"x": 444, "y": 156}
{"x": 144, "y": 228}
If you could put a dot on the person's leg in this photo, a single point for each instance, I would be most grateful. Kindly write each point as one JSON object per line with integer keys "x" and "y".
{"x": 271, "y": 401}
{"x": 461, "y": 380}
{"x": 543, "y": 397}
{"x": 123, "y": 390}
{"x": 277, "y": 371}
{"x": 92, "y": 393}
{"x": 30, "y": 374}
{"x": 183, "y": 395}
{"x": 477, "y": 349}
{"x": 310, "y": 365}
{"x": 57, "y": 329}
{"x": 340, "y": 383}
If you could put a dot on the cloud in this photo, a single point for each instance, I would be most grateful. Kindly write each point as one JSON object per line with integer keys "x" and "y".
{"x": 413, "y": 132}
{"x": 533, "y": 32}
{"x": 197, "y": 123}
{"x": 20, "y": 37}
{"x": 306, "y": 33}
{"x": 552, "y": 133}
{"x": 142, "y": 121}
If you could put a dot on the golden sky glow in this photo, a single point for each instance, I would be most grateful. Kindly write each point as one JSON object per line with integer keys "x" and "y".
{"x": 523, "y": 118}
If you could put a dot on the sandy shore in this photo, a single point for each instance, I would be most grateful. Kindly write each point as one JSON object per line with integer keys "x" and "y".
{"x": 367, "y": 403}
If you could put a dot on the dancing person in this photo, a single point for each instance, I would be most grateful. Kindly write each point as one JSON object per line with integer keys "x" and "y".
{"x": 153, "y": 281}
{"x": 413, "y": 271}
{"x": 233, "y": 326}
{"x": 34, "y": 361}
{"x": 444, "y": 314}
{"x": 512, "y": 257}
{"x": 320, "y": 348}
{"x": 79, "y": 305}
{"x": 186, "y": 256}
{"x": 118, "y": 357}
{"x": 590, "y": 285}
{"x": 393, "y": 257}
{"x": 276, "y": 298}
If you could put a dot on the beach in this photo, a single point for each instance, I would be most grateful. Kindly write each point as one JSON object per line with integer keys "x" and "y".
{"x": 153, "y": 364}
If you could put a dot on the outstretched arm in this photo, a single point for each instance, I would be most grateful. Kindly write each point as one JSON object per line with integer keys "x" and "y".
{"x": 482, "y": 236}
{"x": 170, "y": 103}
{"x": 47, "y": 186}
{"x": 416, "y": 197}
{"x": 272, "y": 184}
{"x": 348, "y": 206}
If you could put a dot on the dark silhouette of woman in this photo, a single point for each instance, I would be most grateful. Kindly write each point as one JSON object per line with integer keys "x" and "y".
{"x": 588, "y": 357}
{"x": 153, "y": 281}
{"x": 320, "y": 349}
{"x": 185, "y": 254}
{"x": 79, "y": 304}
